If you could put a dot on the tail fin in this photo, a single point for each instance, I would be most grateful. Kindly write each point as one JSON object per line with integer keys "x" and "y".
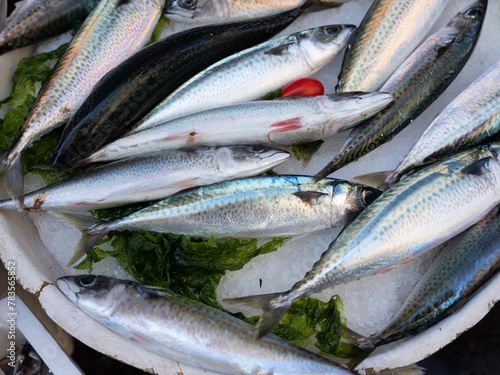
{"x": 13, "y": 178}
{"x": 272, "y": 312}
{"x": 90, "y": 234}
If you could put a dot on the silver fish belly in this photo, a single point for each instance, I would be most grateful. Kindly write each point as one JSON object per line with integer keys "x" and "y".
{"x": 252, "y": 73}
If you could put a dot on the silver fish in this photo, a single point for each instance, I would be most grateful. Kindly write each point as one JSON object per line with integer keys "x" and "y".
{"x": 187, "y": 331}
{"x": 271, "y": 122}
{"x": 473, "y": 117}
{"x": 111, "y": 33}
{"x": 421, "y": 212}
{"x": 390, "y": 31}
{"x": 261, "y": 207}
{"x": 216, "y": 11}
{"x": 254, "y": 72}
{"x": 151, "y": 177}
{"x": 466, "y": 263}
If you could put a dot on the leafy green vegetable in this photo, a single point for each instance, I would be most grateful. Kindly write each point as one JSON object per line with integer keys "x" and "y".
{"x": 160, "y": 26}
{"x": 274, "y": 94}
{"x": 305, "y": 152}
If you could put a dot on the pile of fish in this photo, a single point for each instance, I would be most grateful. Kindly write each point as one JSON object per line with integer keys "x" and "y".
{"x": 185, "y": 127}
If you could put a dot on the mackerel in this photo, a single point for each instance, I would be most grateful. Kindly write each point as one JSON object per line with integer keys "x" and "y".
{"x": 466, "y": 263}
{"x": 472, "y": 118}
{"x": 217, "y": 11}
{"x": 261, "y": 207}
{"x": 416, "y": 84}
{"x": 111, "y": 33}
{"x": 188, "y": 331}
{"x": 388, "y": 34}
{"x": 138, "y": 84}
{"x": 252, "y": 73}
{"x": 272, "y": 122}
{"x": 151, "y": 177}
{"x": 419, "y": 213}
{"x": 35, "y": 20}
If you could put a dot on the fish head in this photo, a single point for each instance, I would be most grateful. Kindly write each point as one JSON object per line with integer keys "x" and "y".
{"x": 358, "y": 197}
{"x": 97, "y": 295}
{"x": 356, "y": 104}
{"x": 321, "y": 44}
{"x": 468, "y": 22}
{"x": 194, "y": 10}
{"x": 244, "y": 161}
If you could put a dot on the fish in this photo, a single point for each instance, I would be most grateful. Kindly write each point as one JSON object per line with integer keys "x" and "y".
{"x": 277, "y": 123}
{"x": 388, "y": 34}
{"x": 35, "y": 20}
{"x": 209, "y": 11}
{"x": 133, "y": 88}
{"x": 254, "y": 72}
{"x": 471, "y": 118}
{"x": 424, "y": 75}
{"x": 464, "y": 264}
{"x": 3, "y": 13}
{"x": 188, "y": 331}
{"x": 420, "y": 212}
{"x": 260, "y": 207}
{"x": 150, "y": 178}
{"x": 124, "y": 25}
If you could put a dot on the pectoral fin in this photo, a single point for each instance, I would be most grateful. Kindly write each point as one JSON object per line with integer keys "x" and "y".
{"x": 310, "y": 197}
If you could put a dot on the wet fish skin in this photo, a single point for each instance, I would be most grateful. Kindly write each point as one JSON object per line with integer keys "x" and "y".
{"x": 424, "y": 75}
{"x": 138, "y": 84}
{"x": 187, "y": 331}
{"x": 85, "y": 61}
{"x": 210, "y": 11}
{"x": 472, "y": 118}
{"x": 388, "y": 34}
{"x": 466, "y": 263}
{"x": 151, "y": 177}
{"x": 254, "y": 72}
{"x": 274, "y": 123}
{"x": 420, "y": 212}
{"x": 39, "y": 19}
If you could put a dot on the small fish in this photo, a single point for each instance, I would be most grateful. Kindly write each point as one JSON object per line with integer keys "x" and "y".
{"x": 272, "y": 122}
{"x": 210, "y": 11}
{"x": 466, "y": 263}
{"x": 111, "y": 33}
{"x": 472, "y": 118}
{"x": 151, "y": 177}
{"x": 188, "y": 331}
{"x": 388, "y": 34}
{"x": 131, "y": 90}
{"x": 429, "y": 70}
{"x": 35, "y": 20}
{"x": 420, "y": 212}
{"x": 254, "y": 72}
{"x": 261, "y": 207}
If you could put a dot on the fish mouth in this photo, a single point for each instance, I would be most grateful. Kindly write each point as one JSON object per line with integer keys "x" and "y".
{"x": 175, "y": 11}
{"x": 274, "y": 156}
{"x": 69, "y": 288}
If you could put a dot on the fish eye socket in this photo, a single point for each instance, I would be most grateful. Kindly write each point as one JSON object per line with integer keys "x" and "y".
{"x": 332, "y": 30}
{"x": 473, "y": 13}
{"x": 87, "y": 280}
{"x": 368, "y": 197}
{"x": 188, "y": 4}
{"x": 257, "y": 148}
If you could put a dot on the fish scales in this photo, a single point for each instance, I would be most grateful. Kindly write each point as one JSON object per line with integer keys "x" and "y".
{"x": 390, "y": 31}
{"x": 188, "y": 331}
{"x": 252, "y": 73}
{"x": 424, "y": 75}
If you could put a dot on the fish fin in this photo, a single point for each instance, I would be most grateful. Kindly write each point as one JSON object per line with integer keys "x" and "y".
{"x": 478, "y": 168}
{"x": 310, "y": 197}
{"x": 3, "y": 13}
{"x": 13, "y": 179}
{"x": 279, "y": 50}
{"x": 88, "y": 240}
{"x": 376, "y": 179}
{"x": 271, "y": 314}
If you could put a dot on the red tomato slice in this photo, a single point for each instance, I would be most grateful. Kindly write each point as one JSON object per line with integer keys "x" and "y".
{"x": 304, "y": 86}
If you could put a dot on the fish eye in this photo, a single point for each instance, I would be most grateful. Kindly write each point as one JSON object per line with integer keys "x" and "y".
{"x": 257, "y": 148}
{"x": 368, "y": 197}
{"x": 332, "y": 30}
{"x": 473, "y": 13}
{"x": 188, "y": 4}
{"x": 87, "y": 280}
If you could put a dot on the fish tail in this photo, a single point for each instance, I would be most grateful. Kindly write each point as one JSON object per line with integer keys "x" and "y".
{"x": 12, "y": 171}
{"x": 92, "y": 232}
{"x": 273, "y": 310}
